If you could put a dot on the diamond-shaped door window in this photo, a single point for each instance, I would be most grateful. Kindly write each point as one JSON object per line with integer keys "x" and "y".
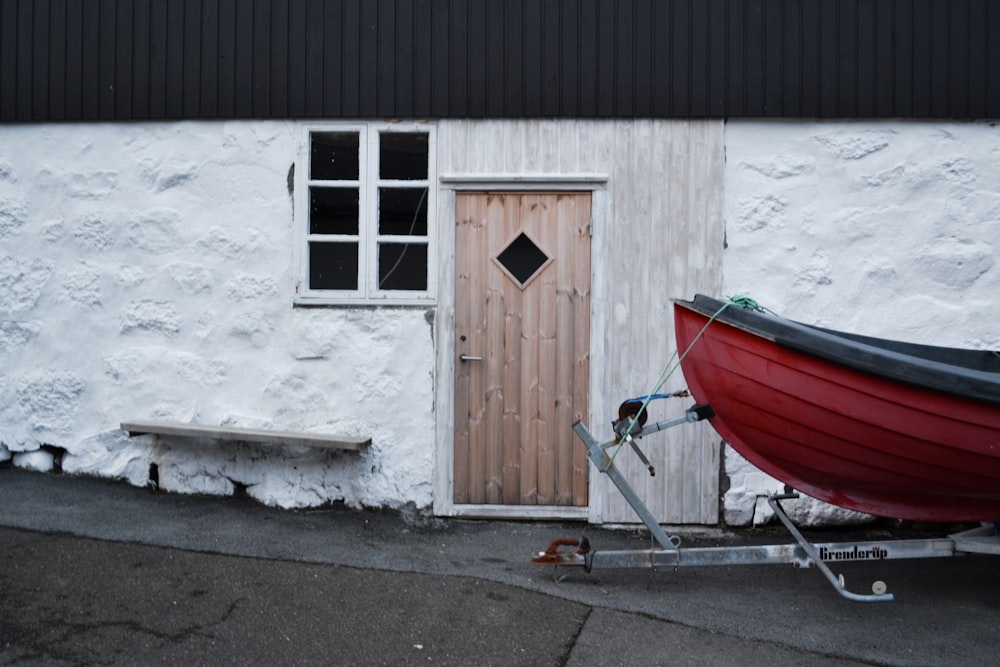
{"x": 522, "y": 259}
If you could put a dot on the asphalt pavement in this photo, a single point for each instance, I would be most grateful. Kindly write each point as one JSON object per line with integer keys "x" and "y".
{"x": 97, "y": 572}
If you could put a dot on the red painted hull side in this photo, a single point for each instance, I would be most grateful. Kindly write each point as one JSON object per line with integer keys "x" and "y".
{"x": 844, "y": 436}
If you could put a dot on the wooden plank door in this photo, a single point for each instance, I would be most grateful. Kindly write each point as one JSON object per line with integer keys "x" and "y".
{"x": 522, "y": 347}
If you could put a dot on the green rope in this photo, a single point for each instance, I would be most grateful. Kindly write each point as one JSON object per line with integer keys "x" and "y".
{"x": 747, "y": 303}
{"x": 671, "y": 366}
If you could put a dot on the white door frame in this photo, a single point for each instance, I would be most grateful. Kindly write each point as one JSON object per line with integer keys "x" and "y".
{"x": 444, "y": 395}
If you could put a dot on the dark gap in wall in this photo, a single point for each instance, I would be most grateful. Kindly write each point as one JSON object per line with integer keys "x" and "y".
{"x": 239, "y": 489}
{"x": 57, "y": 456}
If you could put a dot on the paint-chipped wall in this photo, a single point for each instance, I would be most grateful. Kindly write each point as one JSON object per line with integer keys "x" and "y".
{"x": 145, "y": 273}
{"x": 888, "y": 229}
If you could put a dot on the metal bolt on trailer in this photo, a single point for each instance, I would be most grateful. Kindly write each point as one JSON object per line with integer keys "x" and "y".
{"x": 569, "y": 552}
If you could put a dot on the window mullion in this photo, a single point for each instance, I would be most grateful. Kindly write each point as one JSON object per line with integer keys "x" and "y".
{"x": 372, "y": 213}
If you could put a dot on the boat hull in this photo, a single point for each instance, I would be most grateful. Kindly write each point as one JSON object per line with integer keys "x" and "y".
{"x": 843, "y": 435}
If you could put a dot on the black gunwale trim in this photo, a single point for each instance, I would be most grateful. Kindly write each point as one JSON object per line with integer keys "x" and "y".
{"x": 972, "y": 374}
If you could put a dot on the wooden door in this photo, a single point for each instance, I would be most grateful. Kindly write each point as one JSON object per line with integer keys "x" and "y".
{"x": 522, "y": 347}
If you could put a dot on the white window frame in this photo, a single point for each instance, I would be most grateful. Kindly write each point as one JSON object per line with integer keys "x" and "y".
{"x": 368, "y": 238}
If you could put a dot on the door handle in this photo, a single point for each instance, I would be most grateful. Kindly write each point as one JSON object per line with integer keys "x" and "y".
{"x": 466, "y": 357}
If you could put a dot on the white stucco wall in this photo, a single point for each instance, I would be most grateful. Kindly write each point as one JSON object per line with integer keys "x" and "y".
{"x": 145, "y": 273}
{"x": 888, "y": 229}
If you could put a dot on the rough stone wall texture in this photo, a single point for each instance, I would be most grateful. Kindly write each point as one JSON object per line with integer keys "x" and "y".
{"x": 145, "y": 273}
{"x": 888, "y": 229}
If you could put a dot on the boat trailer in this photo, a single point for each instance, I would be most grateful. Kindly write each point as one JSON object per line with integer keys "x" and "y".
{"x": 630, "y": 427}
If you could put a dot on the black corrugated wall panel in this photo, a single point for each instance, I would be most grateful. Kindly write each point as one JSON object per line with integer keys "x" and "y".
{"x": 71, "y": 60}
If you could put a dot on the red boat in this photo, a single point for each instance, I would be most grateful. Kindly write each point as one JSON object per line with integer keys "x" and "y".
{"x": 883, "y": 427}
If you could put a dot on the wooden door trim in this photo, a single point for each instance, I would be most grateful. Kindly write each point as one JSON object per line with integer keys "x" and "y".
{"x": 514, "y": 183}
{"x": 444, "y": 332}
{"x": 536, "y": 512}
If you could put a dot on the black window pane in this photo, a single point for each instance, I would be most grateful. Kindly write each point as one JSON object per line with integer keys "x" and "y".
{"x": 333, "y": 266}
{"x": 402, "y": 266}
{"x": 402, "y": 211}
{"x": 334, "y": 156}
{"x": 333, "y": 210}
{"x": 522, "y": 258}
{"x": 403, "y": 156}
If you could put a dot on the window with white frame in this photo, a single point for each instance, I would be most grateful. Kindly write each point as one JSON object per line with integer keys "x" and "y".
{"x": 362, "y": 210}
